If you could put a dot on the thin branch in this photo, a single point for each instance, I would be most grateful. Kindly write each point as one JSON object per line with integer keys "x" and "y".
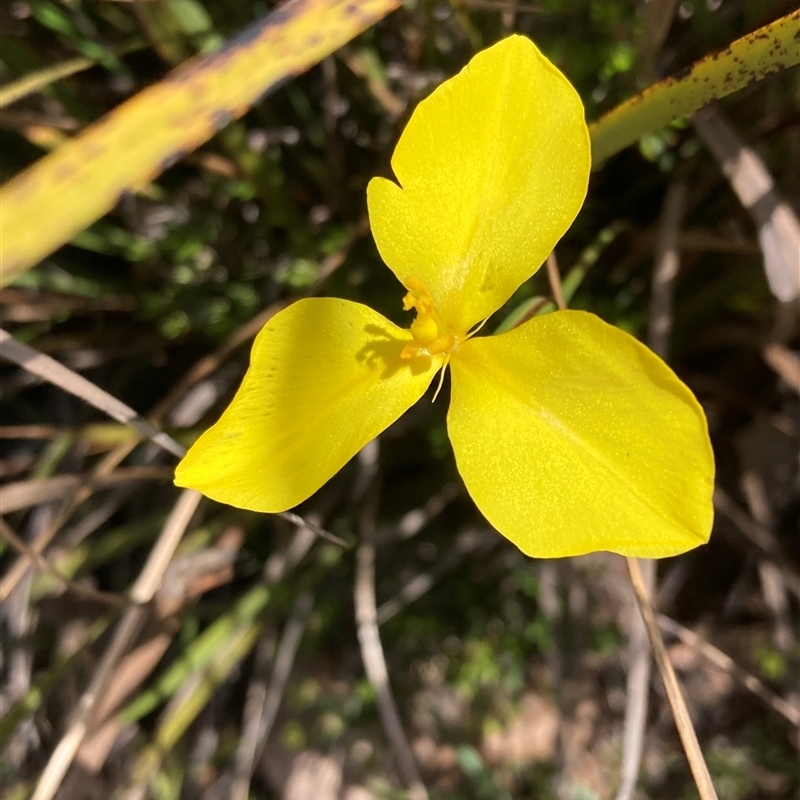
{"x": 371, "y": 647}
{"x": 235, "y": 782}
{"x": 554, "y": 277}
{"x": 128, "y": 628}
{"x": 665, "y": 271}
{"x": 263, "y": 702}
{"x": 637, "y": 690}
{"x": 759, "y": 536}
{"x": 24, "y": 549}
{"x": 785, "y": 363}
{"x": 777, "y": 223}
{"x": 24, "y": 494}
{"x": 299, "y": 522}
{"x": 105, "y": 467}
{"x": 49, "y": 369}
{"x": 658, "y": 18}
{"x": 680, "y": 712}
{"x": 414, "y": 521}
{"x": 772, "y": 585}
{"x": 467, "y": 542}
{"x": 726, "y": 663}
{"x": 18, "y": 622}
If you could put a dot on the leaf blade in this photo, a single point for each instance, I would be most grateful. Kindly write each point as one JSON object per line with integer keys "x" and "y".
{"x": 769, "y": 49}
{"x": 84, "y": 178}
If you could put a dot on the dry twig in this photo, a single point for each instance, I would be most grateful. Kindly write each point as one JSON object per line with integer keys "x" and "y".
{"x": 759, "y": 536}
{"x": 726, "y": 663}
{"x": 263, "y": 702}
{"x": 104, "y": 468}
{"x": 658, "y": 18}
{"x": 369, "y": 638}
{"x": 467, "y": 542}
{"x": 299, "y": 522}
{"x": 785, "y": 363}
{"x": 24, "y": 494}
{"x": 665, "y": 271}
{"x": 778, "y": 226}
{"x": 414, "y": 521}
{"x": 555, "y": 280}
{"x": 772, "y": 586}
{"x": 86, "y": 592}
{"x": 50, "y": 370}
{"x": 128, "y": 628}
{"x": 683, "y": 721}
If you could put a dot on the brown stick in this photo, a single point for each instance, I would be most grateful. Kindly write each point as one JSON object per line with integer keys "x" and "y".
{"x": 370, "y": 642}
{"x": 142, "y": 592}
{"x": 665, "y": 270}
{"x": 726, "y": 663}
{"x": 24, "y": 549}
{"x": 680, "y": 712}
{"x": 52, "y": 371}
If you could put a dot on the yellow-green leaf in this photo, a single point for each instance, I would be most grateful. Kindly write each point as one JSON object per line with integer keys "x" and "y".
{"x": 49, "y": 203}
{"x": 769, "y": 49}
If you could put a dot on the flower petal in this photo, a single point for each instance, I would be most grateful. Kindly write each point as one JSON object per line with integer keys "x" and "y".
{"x": 571, "y": 437}
{"x": 325, "y": 378}
{"x": 493, "y": 167}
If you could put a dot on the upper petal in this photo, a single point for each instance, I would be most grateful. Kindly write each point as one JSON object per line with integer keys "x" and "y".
{"x": 493, "y": 166}
{"x": 325, "y": 378}
{"x": 571, "y": 437}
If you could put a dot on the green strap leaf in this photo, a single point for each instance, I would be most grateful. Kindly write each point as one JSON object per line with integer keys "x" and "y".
{"x": 66, "y": 191}
{"x": 769, "y": 49}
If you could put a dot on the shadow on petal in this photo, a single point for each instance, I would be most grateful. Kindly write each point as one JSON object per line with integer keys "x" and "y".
{"x": 325, "y": 378}
{"x": 383, "y": 350}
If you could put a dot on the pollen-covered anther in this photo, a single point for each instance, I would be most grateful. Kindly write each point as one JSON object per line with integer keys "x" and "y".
{"x": 431, "y": 337}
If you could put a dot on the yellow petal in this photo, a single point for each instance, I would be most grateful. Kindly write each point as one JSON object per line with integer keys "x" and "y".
{"x": 493, "y": 168}
{"x": 571, "y": 437}
{"x": 325, "y": 378}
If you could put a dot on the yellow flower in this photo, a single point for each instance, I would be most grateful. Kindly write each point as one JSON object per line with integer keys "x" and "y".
{"x": 570, "y": 435}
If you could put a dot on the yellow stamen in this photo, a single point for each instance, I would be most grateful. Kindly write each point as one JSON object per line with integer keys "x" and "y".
{"x": 431, "y": 337}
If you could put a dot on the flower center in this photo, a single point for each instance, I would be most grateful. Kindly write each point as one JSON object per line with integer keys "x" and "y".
{"x": 431, "y": 337}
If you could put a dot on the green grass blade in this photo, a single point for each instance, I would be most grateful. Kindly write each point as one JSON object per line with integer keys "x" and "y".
{"x": 41, "y": 79}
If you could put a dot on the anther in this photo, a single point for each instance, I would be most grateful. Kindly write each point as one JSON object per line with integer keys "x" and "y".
{"x": 430, "y": 336}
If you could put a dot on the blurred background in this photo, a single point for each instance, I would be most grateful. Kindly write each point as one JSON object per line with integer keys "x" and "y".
{"x": 244, "y": 677}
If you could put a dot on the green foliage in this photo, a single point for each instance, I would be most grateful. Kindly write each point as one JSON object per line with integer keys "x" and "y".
{"x": 731, "y": 767}
{"x": 480, "y": 776}
{"x": 261, "y": 213}
{"x": 771, "y": 663}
